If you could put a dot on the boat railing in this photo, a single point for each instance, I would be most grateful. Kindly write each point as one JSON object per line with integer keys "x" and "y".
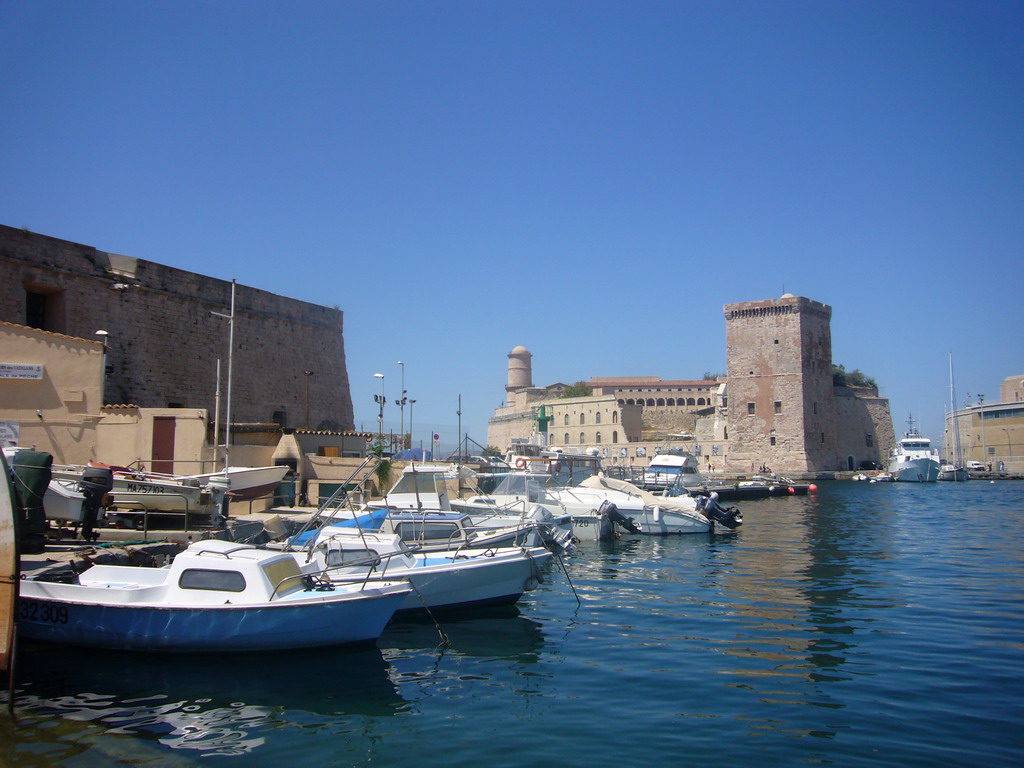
{"x": 338, "y": 500}
{"x": 321, "y": 579}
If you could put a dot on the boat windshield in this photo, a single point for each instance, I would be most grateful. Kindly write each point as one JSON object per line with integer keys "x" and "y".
{"x": 419, "y": 482}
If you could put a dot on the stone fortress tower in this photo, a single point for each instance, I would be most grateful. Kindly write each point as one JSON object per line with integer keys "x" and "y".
{"x": 778, "y": 406}
{"x": 780, "y": 392}
{"x": 520, "y": 372}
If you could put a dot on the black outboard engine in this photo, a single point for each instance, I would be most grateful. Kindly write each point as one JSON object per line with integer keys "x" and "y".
{"x": 617, "y": 517}
{"x": 730, "y": 517}
{"x": 96, "y": 483}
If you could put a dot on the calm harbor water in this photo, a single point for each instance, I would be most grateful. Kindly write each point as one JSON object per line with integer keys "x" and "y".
{"x": 864, "y": 625}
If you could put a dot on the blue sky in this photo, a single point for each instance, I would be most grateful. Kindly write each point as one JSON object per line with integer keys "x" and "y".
{"x": 592, "y": 180}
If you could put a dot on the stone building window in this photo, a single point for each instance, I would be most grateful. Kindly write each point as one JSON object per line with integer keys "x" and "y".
{"x": 700, "y": 401}
{"x": 869, "y": 440}
{"x": 44, "y": 309}
{"x": 815, "y": 407}
{"x": 567, "y": 419}
{"x": 671, "y": 401}
{"x": 598, "y": 438}
{"x": 597, "y": 419}
{"x": 751, "y": 409}
{"x": 650, "y": 401}
{"x": 771, "y": 440}
{"x": 582, "y": 417}
{"x": 690, "y": 401}
{"x": 566, "y": 438}
{"x": 778, "y": 406}
{"x": 661, "y": 401}
{"x": 615, "y": 417}
{"x": 615, "y": 437}
{"x": 583, "y": 438}
{"x": 822, "y": 438}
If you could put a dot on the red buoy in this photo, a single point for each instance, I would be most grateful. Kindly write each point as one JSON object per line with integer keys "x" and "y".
{"x": 791, "y": 490}
{"x": 812, "y": 488}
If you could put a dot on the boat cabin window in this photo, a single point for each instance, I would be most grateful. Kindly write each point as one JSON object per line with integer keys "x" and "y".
{"x": 336, "y": 556}
{"x": 421, "y": 531}
{"x": 219, "y": 581}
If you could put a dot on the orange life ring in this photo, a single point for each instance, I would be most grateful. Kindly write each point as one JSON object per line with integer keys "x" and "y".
{"x": 520, "y": 463}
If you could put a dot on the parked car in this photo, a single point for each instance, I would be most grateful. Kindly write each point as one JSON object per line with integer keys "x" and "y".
{"x": 975, "y": 466}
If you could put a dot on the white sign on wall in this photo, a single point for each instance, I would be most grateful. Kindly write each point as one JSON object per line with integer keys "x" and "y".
{"x": 10, "y": 433}
{"x": 20, "y": 371}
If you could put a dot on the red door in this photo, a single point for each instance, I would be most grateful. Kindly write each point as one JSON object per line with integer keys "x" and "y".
{"x": 163, "y": 444}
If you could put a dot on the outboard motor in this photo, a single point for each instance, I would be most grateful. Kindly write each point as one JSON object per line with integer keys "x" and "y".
{"x": 730, "y": 517}
{"x": 607, "y": 508}
{"x": 95, "y": 484}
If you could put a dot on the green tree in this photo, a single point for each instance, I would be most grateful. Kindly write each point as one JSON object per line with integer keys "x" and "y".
{"x": 854, "y": 378}
{"x": 579, "y": 389}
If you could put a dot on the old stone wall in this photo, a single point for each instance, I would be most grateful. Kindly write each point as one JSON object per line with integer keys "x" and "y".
{"x": 164, "y": 342}
{"x": 863, "y": 428}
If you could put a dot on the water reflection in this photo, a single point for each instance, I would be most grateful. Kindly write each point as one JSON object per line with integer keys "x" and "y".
{"x": 206, "y": 704}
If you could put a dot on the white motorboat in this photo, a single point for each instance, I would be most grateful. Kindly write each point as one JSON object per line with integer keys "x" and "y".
{"x": 597, "y": 505}
{"x": 420, "y": 511}
{"x": 214, "y": 596}
{"x": 452, "y": 579}
{"x": 242, "y": 483}
{"x": 914, "y": 460}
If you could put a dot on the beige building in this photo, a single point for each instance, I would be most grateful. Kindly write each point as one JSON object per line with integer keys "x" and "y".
{"x": 990, "y": 433}
{"x": 777, "y": 406}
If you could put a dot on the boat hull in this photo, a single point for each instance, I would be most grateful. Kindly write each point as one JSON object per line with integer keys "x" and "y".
{"x": 455, "y": 585}
{"x": 316, "y": 622}
{"x": 915, "y": 471}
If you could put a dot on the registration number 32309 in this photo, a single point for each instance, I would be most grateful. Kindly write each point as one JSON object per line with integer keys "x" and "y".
{"x": 43, "y": 612}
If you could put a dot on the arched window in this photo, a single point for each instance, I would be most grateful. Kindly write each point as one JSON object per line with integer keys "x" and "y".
{"x": 615, "y": 437}
{"x": 670, "y": 401}
{"x": 582, "y": 420}
{"x": 690, "y": 401}
{"x": 661, "y": 401}
{"x": 615, "y": 417}
{"x": 700, "y": 401}
{"x": 597, "y": 419}
{"x": 598, "y": 438}
{"x": 622, "y": 402}
{"x": 650, "y": 401}
{"x": 566, "y": 438}
{"x": 725, "y": 434}
{"x": 583, "y": 438}
{"x": 630, "y": 402}
{"x": 567, "y": 419}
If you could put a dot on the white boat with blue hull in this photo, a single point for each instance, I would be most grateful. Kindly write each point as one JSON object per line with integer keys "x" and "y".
{"x": 214, "y": 596}
{"x": 914, "y": 460}
{"x": 456, "y": 579}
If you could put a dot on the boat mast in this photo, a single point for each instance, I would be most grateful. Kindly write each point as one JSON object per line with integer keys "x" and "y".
{"x": 231, "y": 358}
{"x": 956, "y": 422}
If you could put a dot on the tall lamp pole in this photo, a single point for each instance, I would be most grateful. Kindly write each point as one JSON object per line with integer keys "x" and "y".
{"x": 412, "y": 443}
{"x": 380, "y": 416}
{"x": 401, "y": 404}
{"x": 981, "y": 417}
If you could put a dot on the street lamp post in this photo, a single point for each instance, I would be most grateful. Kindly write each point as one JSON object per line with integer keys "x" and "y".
{"x": 1009, "y": 445}
{"x": 981, "y": 418}
{"x": 103, "y": 376}
{"x": 380, "y": 416}
{"x": 401, "y": 405}
{"x": 412, "y": 443}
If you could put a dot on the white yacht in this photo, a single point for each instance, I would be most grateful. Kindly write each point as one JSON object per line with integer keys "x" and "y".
{"x": 914, "y": 460}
